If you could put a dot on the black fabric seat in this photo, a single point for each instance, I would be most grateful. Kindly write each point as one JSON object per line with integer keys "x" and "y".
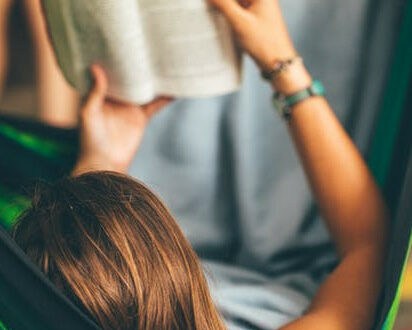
{"x": 28, "y": 300}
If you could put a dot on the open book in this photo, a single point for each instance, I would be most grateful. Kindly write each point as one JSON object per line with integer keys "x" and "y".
{"x": 180, "y": 48}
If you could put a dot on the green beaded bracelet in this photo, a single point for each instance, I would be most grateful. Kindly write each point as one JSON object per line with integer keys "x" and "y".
{"x": 284, "y": 104}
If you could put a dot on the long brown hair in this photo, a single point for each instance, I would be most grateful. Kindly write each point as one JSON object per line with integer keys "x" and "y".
{"x": 109, "y": 244}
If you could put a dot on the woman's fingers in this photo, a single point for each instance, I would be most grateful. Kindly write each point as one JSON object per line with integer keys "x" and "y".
{"x": 97, "y": 98}
{"x": 98, "y": 93}
{"x": 151, "y": 108}
{"x": 100, "y": 80}
{"x": 232, "y": 9}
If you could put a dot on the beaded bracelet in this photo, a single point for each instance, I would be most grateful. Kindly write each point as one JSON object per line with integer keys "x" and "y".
{"x": 284, "y": 103}
{"x": 280, "y": 66}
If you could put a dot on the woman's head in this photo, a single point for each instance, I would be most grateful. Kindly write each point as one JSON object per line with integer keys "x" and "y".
{"x": 109, "y": 244}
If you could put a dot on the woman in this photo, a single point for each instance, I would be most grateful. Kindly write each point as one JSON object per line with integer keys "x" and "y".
{"x": 341, "y": 182}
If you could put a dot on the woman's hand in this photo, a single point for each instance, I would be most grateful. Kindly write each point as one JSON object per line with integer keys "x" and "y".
{"x": 111, "y": 132}
{"x": 260, "y": 27}
{"x": 262, "y": 32}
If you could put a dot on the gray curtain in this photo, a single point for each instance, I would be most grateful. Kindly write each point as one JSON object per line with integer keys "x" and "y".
{"x": 227, "y": 169}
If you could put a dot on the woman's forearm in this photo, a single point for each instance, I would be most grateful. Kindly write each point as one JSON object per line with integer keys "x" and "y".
{"x": 58, "y": 101}
{"x": 354, "y": 211}
{"x": 4, "y": 18}
{"x": 343, "y": 186}
{"x": 347, "y": 299}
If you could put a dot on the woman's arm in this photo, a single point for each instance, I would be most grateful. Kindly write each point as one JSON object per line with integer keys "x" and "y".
{"x": 58, "y": 101}
{"x": 344, "y": 188}
{"x": 4, "y": 20}
{"x": 355, "y": 215}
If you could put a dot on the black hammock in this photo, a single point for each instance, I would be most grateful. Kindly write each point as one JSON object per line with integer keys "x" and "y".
{"x": 31, "y": 151}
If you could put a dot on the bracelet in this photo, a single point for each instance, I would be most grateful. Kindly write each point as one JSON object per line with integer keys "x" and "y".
{"x": 280, "y": 66}
{"x": 284, "y": 104}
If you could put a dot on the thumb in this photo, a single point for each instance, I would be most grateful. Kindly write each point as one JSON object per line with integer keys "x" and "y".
{"x": 153, "y": 107}
{"x": 232, "y": 9}
{"x": 98, "y": 92}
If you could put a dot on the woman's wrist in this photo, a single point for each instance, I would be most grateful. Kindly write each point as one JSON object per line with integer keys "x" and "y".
{"x": 294, "y": 79}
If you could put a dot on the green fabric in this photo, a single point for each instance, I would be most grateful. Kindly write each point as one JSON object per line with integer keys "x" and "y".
{"x": 393, "y": 103}
{"x": 11, "y": 203}
{"x": 393, "y": 312}
{"x": 11, "y": 206}
{"x": 387, "y": 128}
{"x": 44, "y": 147}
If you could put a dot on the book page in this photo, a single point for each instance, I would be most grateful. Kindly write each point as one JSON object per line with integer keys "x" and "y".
{"x": 147, "y": 47}
{"x": 103, "y": 32}
{"x": 192, "y": 49}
